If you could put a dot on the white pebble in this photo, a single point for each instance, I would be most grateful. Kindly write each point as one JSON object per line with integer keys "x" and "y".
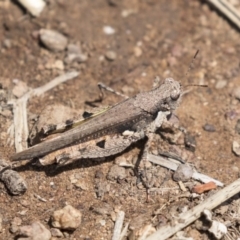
{"x": 108, "y": 30}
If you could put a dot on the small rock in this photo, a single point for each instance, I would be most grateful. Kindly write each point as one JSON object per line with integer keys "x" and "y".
{"x": 99, "y": 174}
{"x": 183, "y": 173}
{"x": 113, "y": 3}
{"x": 221, "y": 84}
{"x": 204, "y": 21}
{"x": 20, "y": 88}
{"x": 137, "y": 51}
{"x": 16, "y": 222}
{"x": 209, "y": 128}
{"x": 172, "y": 61}
{"x": 236, "y": 148}
{"x": 116, "y": 172}
{"x": 53, "y": 40}
{"x": 35, "y": 231}
{"x": 110, "y": 55}
{"x": 104, "y": 209}
{"x": 34, "y": 7}
{"x": 67, "y": 218}
{"x": 190, "y": 142}
{"x": 13, "y": 181}
{"x": 236, "y": 93}
{"x": 127, "y": 12}
{"x": 74, "y": 54}
{"x": 145, "y": 230}
{"x": 237, "y": 126}
{"x": 235, "y": 169}
{"x": 79, "y": 58}
{"x": 102, "y": 222}
{"x": 108, "y": 30}
{"x": 231, "y": 115}
{"x": 82, "y": 185}
{"x": 6, "y": 113}
{"x": 101, "y": 188}
{"x": 59, "y": 65}
{"x": 7, "y": 43}
{"x": 177, "y": 50}
{"x": 124, "y": 161}
{"x": 222, "y": 209}
{"x": 24, "y": 202}
{"x": 56, "y": 233}
{"x": 73, "y": 49}
{"x": 1, "y": 220}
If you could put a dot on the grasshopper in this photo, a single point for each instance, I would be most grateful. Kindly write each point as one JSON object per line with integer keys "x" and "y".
{"x": 111, "y": 131}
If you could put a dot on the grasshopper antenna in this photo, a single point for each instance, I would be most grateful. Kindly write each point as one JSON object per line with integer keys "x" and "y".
{"x": 190, "y": 68}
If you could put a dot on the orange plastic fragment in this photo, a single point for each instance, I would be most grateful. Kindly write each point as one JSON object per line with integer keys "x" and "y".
{"x": 204, "y": 187}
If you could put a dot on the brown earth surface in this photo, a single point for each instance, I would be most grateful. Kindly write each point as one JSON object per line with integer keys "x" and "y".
{"x": 160, "y": 37}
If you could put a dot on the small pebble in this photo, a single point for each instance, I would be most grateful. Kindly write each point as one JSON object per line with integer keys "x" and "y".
{"x": 190, "y": 142}
{"x": 56, "y": 233}
{"x": 83, "y": 185}
{"x": 73, "y": 49}
{"x": 231, "y": 115}
{"x": 1, "y": 220}
{"x": 99, "y": 174}
{"x": 183, "y": 173}
{"x": 113, "y": 3}
{"x": 236, "y": 92}
{"x": 7, "y": 43}
{"x": 34, "y": 7}
{"x": 110, "y": 55}
{"x": 221, "y": 84}
{"x": 79, "y": 58}
{"x": 116, "y": 172}
{"x": 15, "y": 223}
{"x": 35, "y": 231}
{"x": 108, "y": 30}
{"x": 235, "y": 169}
{"x": 13, "y": 181}
{"x": 237, "y": 126}
{"x": 209, "y": 128}
{"x": 101, "y": 187}
{"x": 104, "y": 209}
{"x": 6, "y": 113}
{"x": 53, "y": 40}
{"x": 67, "y": 218}
{"x": 177, "y": 51}
{"x": 58, "y": 65}
{"x": 172, "y": 61}
{"x": 236, "y": 148}
{"x": 102, "y": 222}
{"x": 20, "y": 88}
{"x": 137, "y": 51}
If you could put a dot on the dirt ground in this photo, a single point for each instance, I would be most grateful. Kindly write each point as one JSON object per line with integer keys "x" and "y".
{"x": 158, "y": 37}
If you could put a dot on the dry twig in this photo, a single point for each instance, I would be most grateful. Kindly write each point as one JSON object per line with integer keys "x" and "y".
{"x": 227, "y": 10}
{"x": 20, "y": 108}
{"x": 118, "y": 225}
{"x": 173, "y": 165}
{"x": 190, "y": 216}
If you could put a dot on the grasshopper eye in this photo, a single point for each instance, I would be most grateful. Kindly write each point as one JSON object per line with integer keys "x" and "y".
{"x": 175, "y": 95}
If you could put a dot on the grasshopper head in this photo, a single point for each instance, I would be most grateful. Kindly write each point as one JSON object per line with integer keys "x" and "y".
{"x": 171, "y": 94}
{"x": 165, "y": 97}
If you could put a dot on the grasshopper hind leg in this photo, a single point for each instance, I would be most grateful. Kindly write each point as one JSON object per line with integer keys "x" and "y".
{"x": 94, "y": 149}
